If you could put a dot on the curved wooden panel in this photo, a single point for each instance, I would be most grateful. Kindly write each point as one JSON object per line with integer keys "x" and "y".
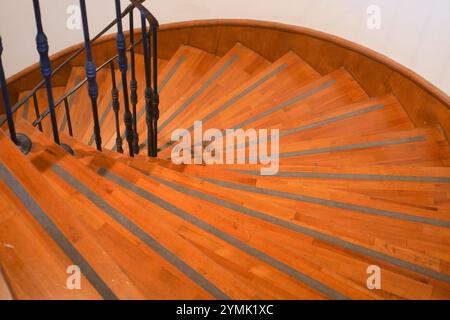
{"x": 377, "y": 74}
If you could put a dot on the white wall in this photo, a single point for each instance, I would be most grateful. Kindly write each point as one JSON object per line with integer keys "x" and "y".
{"x": 414, "y": 33}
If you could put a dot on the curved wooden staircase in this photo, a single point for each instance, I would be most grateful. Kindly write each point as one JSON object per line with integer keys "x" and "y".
{"x": 359, "y": 185}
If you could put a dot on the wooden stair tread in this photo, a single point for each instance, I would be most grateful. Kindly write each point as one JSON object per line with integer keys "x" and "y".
{"x": 153, "y": 277}
{"x": 358, "y": 185}
{"x": 135, "y": 178}
{"x": 280, "y": 79}
{"x": 185, "y": 67}
{"x": 242, "y": 284}
{"x": 34, "y": 264}
{"x": 236, "y": 67}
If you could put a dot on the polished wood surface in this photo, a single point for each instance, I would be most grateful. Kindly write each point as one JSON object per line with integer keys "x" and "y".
{"x": 376, "y": 73}
{"x": 359, "y": 184}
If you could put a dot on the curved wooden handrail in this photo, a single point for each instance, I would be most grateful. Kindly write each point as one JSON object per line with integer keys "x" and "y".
{"x": 369, "y": 53}
{"x": 426, "y": 104}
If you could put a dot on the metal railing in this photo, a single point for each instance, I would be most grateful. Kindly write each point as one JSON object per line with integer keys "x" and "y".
{"x": 149, "y": 44}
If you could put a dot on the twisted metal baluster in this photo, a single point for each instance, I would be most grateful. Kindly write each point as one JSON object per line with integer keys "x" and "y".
{"x": 155, "y": 108}
{"x": 123, "y": 65}
{"x": 36, "y": 111}
{"x": 69, "y": 121}
{"x": 116, "y": 107}
{"x": 20, "y": 140}
{"x": 91, "y": 74}
{"x": 46, "y": 67}
{"x": 133, "y": 86}
{"x": 148, "y": 84}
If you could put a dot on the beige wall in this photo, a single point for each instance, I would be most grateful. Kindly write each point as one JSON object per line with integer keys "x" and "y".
{"x": 415, "y": 33}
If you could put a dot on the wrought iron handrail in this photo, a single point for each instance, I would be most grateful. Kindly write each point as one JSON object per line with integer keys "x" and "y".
{"x": 149, "y": 43}
{"x": 78, "y": 86}
{"x": 30, "y": 94}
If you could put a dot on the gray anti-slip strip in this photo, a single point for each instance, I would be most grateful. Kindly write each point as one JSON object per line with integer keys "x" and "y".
{"x": 306, "y": 231}
{"x": 55, "y": 233}
{"x": 161, "y": 87}
{"x": 235, "y": 99}
{"x": 200, "y": 91}
{"x": 71, "y": 98}
{"x": 139, "y": 233}
{"x": 328, "y": 121}
{"x": 329, "y": 203}
{"x": 286, "y": 104}
{"x": 313, "y": 125}
{"x": 171, "y": 73}
{"x": 348, "y": 176}
{"x": 223, "y": 236}
{"x": 26, "y": 110}
{"x": 355, "y": 146}
{"x": 277, "y": 108}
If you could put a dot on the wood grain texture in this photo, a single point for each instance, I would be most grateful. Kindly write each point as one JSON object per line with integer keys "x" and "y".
{"x": 376, "y": 73}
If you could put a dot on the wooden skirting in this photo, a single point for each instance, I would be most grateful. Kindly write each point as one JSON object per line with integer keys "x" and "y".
{"x": 376, "y": 73}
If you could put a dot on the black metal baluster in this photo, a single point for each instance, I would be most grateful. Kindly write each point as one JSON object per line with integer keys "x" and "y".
{"x": 133, "y": 86}
{"x": 116, "y": 107}
{"x": 148, "y": 84}
{"x": 123, "y": 65}
{"x": 155, "y": 108}
{"x": 20, "y": 140}
{"x": 36, "y": 111}
{"x": 91, "y": 74}
{"x": 69, "y": 121}
{"x": 46, "y": 70}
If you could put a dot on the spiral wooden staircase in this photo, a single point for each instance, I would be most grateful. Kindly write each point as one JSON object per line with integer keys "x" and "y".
{"x": 360, "y": 184}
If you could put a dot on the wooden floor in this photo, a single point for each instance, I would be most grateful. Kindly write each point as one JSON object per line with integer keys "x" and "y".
{"x": 358, "y": 185}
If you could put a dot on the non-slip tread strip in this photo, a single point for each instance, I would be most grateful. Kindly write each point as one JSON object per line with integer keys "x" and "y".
{"x": 55, "y": 233}
{"x": 139, "y": 233}
{"x": 287, "y": 132}
{"x": 236, "y": 98}
{"x": 351, "y": 147}
{"x": 316, "y": 285}
{"x": 304, "y": 230}
{"x": 329, "y": 203}
{"x": 348, "y": 176}
{"x": 70, "y": 102}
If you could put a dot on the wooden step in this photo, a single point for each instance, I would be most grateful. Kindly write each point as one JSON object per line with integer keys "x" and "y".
{"x": 33, "y": 262}
{"x": 410, "y": 189}
{"x": 147, "y": 271}
{"x": 368, "y": 117}
{"x": 186, "y": 67}
{"x": 106, "y": 112}
{"x": 199, "y": 205}
{"x": 223, "y": 268}
{"x": 236, "y": 67}
{"x": 28, "y": 111}
{"x": 77, "y": 75}
{"x": 380, "y": 237}
{"x": 413, "y": 147}
{"x": 281, "y": 79}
